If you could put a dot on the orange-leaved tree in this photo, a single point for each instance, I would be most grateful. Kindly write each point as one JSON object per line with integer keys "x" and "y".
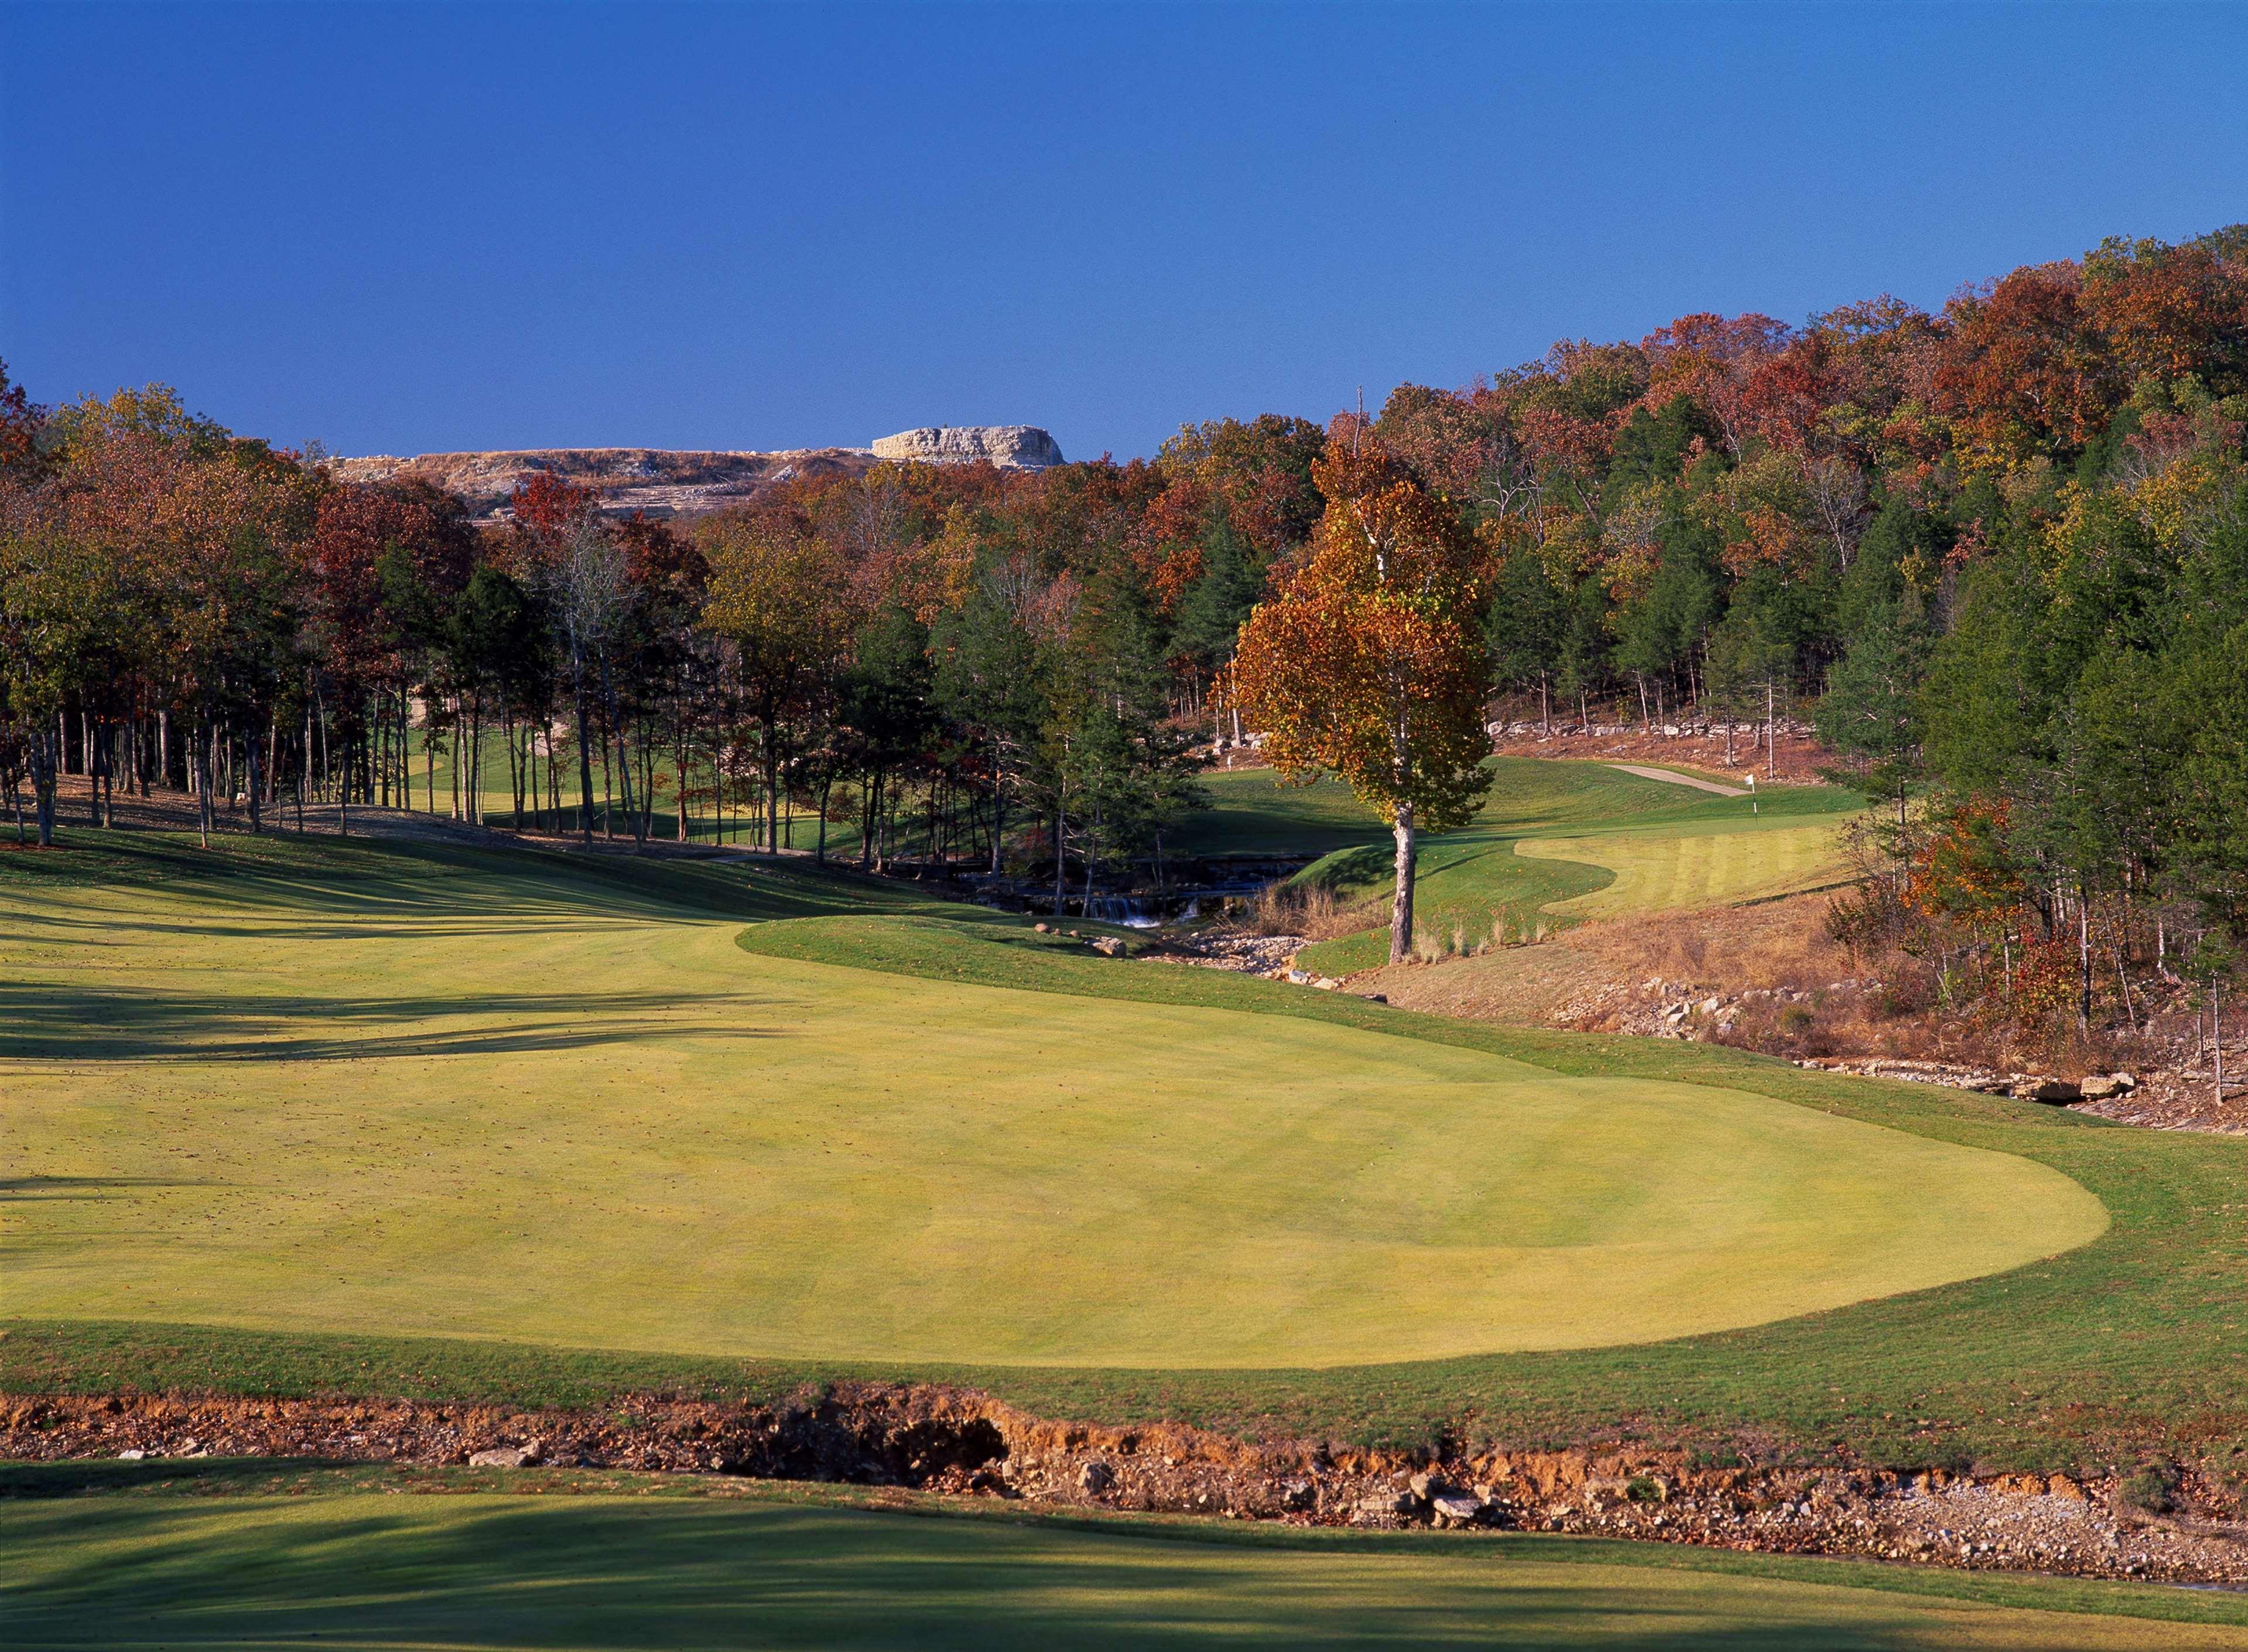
{"x": 1370, "y": 663}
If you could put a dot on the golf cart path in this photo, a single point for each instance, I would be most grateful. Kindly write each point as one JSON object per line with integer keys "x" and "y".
{"x": 1676, "y": 778}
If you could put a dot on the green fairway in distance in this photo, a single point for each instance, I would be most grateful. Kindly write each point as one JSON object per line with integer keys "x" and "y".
{"x": 1673, "y": 872}
{"x": 537, "y": 1097}
{"x": 1561, "y": 840}
{"x": 603, "y": 1572}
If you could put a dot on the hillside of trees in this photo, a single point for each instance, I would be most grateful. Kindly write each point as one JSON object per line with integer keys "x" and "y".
{"x": 1998, "y": 554}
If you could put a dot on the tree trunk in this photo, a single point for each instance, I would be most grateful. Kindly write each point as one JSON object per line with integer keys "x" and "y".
{"x": 2084, "y": 957}
{"x": 772, "y": 726}
{"x": 43, "y": 786}
{"x": 204, "y": 780}
{"x": 585, "y": 750}
{"x": 257, "y": 778}
{"x": 1770, "y": 747}
{"x": 998, "y": 811}
{"x": 1061, "y": 860}
{"x": 1400, "y": 903}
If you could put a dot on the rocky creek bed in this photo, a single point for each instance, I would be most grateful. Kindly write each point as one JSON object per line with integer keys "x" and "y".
{"x": 961, "y": 1442}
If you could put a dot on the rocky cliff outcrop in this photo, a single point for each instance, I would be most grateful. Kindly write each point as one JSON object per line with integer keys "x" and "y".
{"x": 1011, "y": 447}
{"x": 661, "y": 481}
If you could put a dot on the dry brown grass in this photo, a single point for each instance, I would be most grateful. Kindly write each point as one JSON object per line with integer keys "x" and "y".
{"x": 1314, "y": 912}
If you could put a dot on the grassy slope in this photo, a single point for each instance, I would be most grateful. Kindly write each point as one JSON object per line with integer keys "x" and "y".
{"x": 362, "y": 1111}
{"x": 2074, "y": 1362}
{"x": 336, "y": 1562}
{"x": 1551, "y": 845}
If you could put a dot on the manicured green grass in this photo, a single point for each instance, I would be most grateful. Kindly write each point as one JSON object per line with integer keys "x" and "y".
{"x": 1562, "y": 840}
{"x": 539, "y": 1114}
{"x": 1678, "y": 873}
{"x": 2136, "y": 1341}
{"x": 783, "y": 1568}
{"x": 1251, "y": 813}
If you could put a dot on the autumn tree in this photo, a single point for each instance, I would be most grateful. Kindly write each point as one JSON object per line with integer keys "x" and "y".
{"x": 779, "y": 599}
{"x": 1370, "y": 664}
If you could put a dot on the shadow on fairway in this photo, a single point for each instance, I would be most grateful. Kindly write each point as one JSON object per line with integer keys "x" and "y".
{"x": 45, "y": 1023}
{"x": 581, "y": 1574}
{"x": 279, "y": 875}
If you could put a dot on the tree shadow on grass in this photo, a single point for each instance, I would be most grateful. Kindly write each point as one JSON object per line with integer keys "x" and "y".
{"x": 86, "y": 1024}
{"x": 77, "y": 1187}
{"x": 584, "y": 1573}
{"x": 282, "y": 876}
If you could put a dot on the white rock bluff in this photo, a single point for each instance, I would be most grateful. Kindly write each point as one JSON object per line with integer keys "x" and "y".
{"x": 1011, "y": 447}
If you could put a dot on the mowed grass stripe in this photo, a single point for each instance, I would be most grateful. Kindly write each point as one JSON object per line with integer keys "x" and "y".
{"x": 1562, "y": 841}
{"x": 343, "y": 1109}
{"x": 1670, "y": 873}
{"x": 593, "y": 1572}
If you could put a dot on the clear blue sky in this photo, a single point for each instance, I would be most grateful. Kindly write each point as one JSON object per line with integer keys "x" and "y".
{"x": 401, "y": 230}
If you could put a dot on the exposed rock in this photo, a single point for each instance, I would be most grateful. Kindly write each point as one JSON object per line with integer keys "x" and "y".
{"x": 1108, "y": 946}
{"x": 1454, "y": 1508}
{"x": 2053, "y": 1092}
{"x": 504, "y": 1456}
{"x": 1385, "y": 1505}
{"x": 1011, "y": 447}
{"x": 661, "y": 481}
{"x": 957, "y": 1441}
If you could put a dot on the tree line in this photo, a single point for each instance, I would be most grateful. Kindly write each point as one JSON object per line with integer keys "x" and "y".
{"x": 1997, "y": 553}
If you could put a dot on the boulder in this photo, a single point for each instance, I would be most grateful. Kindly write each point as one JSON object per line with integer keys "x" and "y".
{"x": 2057, "y": 1093}
{"x": 1095, "y": 1478}
{"x": 1011, "y": 447}
{"x": 1389, "y": 1504}
{"x": 1108, "y": 946}
{"x": 504, "y": 1456}
{"x": 1454, "y": 1508}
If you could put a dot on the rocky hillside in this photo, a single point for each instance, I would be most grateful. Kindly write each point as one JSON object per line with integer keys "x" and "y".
{"x": 665, "y": 483}
{"x": 1011, "y": 447}
{"x": 657, "y": 480}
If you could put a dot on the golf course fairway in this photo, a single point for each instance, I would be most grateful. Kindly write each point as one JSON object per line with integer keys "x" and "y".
{"x": 591, "y": 1572}
{"x": 544, "y": 1097}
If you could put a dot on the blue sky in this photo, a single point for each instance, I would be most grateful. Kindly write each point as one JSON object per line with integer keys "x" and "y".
{"x": 401, "y": 230}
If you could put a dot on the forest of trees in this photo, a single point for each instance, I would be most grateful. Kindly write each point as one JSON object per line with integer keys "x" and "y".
{"x": 1996, "y": 554}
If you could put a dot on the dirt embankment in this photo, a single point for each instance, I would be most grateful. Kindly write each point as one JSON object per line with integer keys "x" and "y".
{"x": 959, "y": 1441}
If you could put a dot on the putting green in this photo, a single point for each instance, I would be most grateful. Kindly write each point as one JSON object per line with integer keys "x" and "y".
{"x": 598, "y": 1572}
{"x": 507, "y": 1095}
{"x": 1704, "y": 869}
